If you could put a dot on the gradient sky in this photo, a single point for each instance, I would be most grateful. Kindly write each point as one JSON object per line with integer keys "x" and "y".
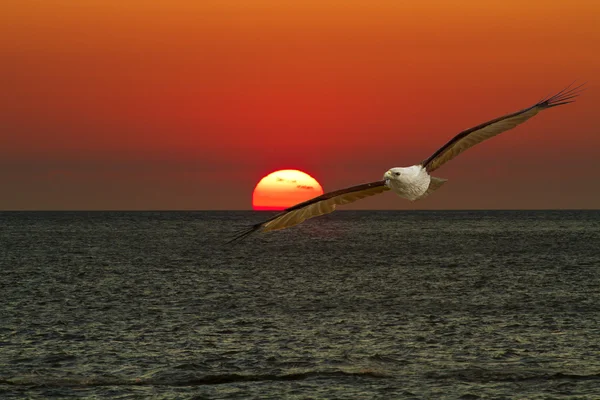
{"x": 188, "y": 104}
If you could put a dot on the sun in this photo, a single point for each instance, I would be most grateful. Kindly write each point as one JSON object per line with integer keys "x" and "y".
{"x": 284, "y": 188}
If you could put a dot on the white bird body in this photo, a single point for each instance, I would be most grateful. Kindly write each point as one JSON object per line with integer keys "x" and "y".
{"x": 412, "y": 183}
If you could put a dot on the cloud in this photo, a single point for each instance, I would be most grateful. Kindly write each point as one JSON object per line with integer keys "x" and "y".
{"x": 304, "y": 187}
{"x": 292, "y": 181}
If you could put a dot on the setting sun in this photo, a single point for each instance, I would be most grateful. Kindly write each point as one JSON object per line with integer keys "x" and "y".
{"x": 284, "y": 188}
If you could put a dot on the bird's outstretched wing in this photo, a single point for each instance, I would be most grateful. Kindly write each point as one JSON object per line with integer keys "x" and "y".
{"x": 314, "y": 207}
{"x": 478, "y": 134}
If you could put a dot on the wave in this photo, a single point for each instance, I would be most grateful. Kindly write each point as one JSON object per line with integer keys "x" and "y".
{"x": 469, "y": 375}
{"x": 40, "y": 381}
{"x": 487, "y": 375}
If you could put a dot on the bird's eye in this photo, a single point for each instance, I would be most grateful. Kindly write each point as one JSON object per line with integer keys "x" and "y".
{"x": 397, "y": 173}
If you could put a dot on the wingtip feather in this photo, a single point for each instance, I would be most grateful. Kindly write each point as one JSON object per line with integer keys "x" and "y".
{"x": 565, "y": 96}
{"x": 243, "y": 233}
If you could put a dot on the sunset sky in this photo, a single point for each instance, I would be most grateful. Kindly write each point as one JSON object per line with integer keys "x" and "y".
{"x": 188, "y": 104}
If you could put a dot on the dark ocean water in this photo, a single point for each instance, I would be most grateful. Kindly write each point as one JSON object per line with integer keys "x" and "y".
{"x": 354, "y": 305}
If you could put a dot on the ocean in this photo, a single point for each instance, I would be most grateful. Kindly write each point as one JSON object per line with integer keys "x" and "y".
{"x": 352, "y": 305}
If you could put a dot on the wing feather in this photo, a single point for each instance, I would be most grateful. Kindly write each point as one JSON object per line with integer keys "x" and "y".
{"x": 320, "y": 205}
{"x": 470, "y": 137}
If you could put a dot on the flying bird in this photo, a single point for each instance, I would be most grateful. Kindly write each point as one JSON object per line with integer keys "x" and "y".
{"x": 414, "y": 182}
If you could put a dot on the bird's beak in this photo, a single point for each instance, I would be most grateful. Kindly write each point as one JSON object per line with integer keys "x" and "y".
{"x": 387, "y": 175}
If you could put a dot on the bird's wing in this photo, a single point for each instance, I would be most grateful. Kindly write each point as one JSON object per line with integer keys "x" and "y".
{"x": 314, "y": 207}
{"x": 478, "y": 134}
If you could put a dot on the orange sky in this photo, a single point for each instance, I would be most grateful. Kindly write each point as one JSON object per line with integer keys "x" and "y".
{"x": 187, "y": 104}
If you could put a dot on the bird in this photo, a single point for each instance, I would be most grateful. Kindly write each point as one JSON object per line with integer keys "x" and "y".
{"x": 414, "y": 182}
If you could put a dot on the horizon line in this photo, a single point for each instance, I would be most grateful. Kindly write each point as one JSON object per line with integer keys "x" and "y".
{"x": 274, "y": 211}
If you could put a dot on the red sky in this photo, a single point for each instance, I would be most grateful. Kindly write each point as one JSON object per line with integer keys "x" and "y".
{"x": 188, "y": 104}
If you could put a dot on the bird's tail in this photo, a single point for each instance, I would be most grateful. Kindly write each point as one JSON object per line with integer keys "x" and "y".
{"x": 434, "y": 184}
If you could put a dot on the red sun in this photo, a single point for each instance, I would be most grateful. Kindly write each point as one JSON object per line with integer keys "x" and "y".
{"x": 284, "y": 188}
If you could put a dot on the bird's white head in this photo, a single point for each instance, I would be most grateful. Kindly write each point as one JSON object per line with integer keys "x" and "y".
{"x": 402, "y": 174}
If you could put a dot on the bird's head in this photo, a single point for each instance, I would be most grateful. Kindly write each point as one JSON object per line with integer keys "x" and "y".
{"x": 400, "y": 173}
{"x": 394, "y": 174}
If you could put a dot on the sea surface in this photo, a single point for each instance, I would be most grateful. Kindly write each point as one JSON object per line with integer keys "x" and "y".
{"x": 352, "y": 305}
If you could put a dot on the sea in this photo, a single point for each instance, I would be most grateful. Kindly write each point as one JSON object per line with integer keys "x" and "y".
{"x": 351, "y": 305}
